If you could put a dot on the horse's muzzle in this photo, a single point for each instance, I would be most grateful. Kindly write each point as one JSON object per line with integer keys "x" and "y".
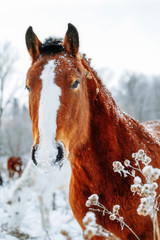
{"x": 33, "y": 157}
{"x": 60, "y": 155}
{"x": 59, "y": 158}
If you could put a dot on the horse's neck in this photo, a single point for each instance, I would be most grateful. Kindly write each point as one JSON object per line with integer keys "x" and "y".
{"x": 114, "y": 135}
{"x": 117, "y": 131}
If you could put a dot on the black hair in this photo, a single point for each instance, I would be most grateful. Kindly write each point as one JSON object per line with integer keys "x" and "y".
{"x": 51, "y": 45}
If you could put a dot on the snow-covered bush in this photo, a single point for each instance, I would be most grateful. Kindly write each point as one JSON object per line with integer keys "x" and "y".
{"x": 92, "y": 228}
{"x": 145, "y": 189}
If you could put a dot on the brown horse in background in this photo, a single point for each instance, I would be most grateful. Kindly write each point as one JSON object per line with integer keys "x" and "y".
{"x": 74, "y": 115}
{"x": 14, "y": 165}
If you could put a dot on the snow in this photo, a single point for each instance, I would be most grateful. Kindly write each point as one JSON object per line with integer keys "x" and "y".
{"x": 48, "y": 107}
{"x": 25, "y": 210}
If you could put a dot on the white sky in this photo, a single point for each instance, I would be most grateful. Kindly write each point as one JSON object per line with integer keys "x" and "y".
{"x": 119, "y": 34}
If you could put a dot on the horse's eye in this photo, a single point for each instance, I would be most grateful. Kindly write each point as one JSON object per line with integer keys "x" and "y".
{"x": 26, "y": 87}
{"x": 75, "y": 84}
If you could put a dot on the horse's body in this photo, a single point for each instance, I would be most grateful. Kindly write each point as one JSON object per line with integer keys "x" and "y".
{"x": 154, "y": 128}
{"x": 14, "y": 165}
{"x": 91, "y": 127}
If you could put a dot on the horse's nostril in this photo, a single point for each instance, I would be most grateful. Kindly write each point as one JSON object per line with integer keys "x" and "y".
{"x": 34, "y": 148}
{"x": 60, "y": 155}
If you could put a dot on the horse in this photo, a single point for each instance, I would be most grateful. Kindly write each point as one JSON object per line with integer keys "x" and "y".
{"x": 14, "y": 165}
{"x": 74, "y": 116}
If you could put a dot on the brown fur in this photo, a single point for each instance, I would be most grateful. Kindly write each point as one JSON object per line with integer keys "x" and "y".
{"x": 14, "y": 165}
{"x": 96, "y": 132}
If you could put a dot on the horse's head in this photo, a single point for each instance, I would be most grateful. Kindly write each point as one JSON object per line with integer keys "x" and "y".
{"x": 58, "y": 97}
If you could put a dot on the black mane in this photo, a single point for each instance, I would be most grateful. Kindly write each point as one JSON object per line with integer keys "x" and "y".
{"x": 51, "y": 45}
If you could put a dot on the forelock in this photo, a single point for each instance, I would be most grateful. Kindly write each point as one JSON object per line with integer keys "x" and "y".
{"x": 51, "y": 45}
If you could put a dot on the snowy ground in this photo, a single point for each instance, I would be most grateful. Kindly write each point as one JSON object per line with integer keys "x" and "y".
{"x": 30, "y": 226}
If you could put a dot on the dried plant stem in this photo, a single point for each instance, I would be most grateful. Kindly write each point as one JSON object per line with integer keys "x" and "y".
{"x": 157, "y": 229}
{"x": 108, "y": 212}
{"x": 156, "y": 232}
{"x": 131, "y": 231}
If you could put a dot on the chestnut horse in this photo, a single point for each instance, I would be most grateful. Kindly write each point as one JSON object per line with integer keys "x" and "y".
{"x": 14, "y": 165}
{"x": 74, "y": 115}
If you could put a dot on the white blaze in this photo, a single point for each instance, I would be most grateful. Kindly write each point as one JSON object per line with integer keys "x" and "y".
{"x": 48, "y": 106}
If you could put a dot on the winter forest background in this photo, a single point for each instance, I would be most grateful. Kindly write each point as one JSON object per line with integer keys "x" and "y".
{"x": 136, "y": 91}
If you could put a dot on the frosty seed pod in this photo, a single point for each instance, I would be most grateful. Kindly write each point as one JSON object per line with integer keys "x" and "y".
{"x": 146, "y": 186}
{"x": 88, "y": 203}
{"x": 153, "y": 194}
{"x": 88, "y": 233}
{"x": 140, "y": 152}
{"x": 154, "y": 186}
{"x": 147, "y": 170}
{"x": 89, "y": 218}
{"x": 134, "y": 155}
{"x": 126, "y": 162}
{"x": 140, "y": 157}
{"x": 93, "y": 199}
{"x": 144, "y": 201}
{"x": 137, "y": 180}
{"x": 121, "y": 219}
{"x": 155, "y": 174}
{"x": 116, "y": 209}
{"x": 112, "y": 217}
{"x": 147, "y": 160}
{"x": 133, "y": 188}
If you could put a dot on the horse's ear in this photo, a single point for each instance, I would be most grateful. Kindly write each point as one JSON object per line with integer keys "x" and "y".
{"x": 32, "y": 43}
{"x": 71, "y": 40}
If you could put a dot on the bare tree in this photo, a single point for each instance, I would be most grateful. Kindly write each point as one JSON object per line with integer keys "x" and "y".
{"x": 17, "y": 132}
{"x": 134, "y": 93}
{"x": 152, "y": 109}
{"x": 7, "y": 59}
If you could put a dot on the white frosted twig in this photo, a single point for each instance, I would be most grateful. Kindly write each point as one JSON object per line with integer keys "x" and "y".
{"x": 114, "y": 215}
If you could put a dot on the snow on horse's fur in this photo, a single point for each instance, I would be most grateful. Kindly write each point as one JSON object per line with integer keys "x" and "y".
{"x": 89, "y": 126}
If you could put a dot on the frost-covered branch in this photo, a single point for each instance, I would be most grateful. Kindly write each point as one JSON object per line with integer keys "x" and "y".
{"x": 93, "y": 200}
{"x": 147, "y": 190}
